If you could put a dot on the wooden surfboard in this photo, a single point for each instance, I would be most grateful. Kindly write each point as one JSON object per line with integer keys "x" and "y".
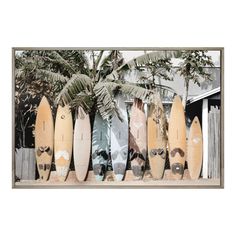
{"x": 82, "y": 144}
{"x": 44, "y": 139}
{"x": 119, "y": 140}
{"x": 138, "y": 139}
{"x": 177, "y": 139}
{"x": 157, "y": 139}
{"x": 63, "y": 139}
{"x": 194, "y": 157}
{"x": 100, "y": 147}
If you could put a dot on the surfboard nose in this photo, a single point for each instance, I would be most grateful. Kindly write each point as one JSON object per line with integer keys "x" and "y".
{"x": 177, "y": 99}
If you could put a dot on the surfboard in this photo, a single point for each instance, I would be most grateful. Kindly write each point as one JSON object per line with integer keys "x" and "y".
{"x": 138, "y": 139}
{"x": 194, "y": 154}
{"x": 119, "y": 140}
{"x": 100, "y": 147}
{"x": 44, "y": 139}
{"x": 157, "y": 139}
{"x": 82, "y": 144}
{"x": 177, "y": 139}
{"x": 63, "y": 140}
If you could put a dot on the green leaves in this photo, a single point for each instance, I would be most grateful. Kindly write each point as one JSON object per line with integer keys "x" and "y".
{"x": 50, "y": 76}
{"x": 134, "y": 90}
{"x": 85, "y": 100}
{"x": 150, "y": 58}
{"x": 59, "y": 59}
{"x": 194, "y": 65}
{"x": 78, "y": 83}
{"x": 104, "y": 94}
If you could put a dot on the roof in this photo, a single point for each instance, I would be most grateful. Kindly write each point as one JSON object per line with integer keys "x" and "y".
{"x": 204, "y": 95}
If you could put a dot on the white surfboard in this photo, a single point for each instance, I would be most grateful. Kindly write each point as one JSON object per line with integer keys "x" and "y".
{"x": 63, "y": 140}
{"x": 82, "y": 144}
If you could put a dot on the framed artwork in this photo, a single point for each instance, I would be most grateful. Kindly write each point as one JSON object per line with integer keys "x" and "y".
{"x": 118, "y": 118}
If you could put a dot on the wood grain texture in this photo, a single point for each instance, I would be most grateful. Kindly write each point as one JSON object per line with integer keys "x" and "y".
{"x": 25, "y": 163}
{"x": 205, "y": 132}
{"x": 138, "y": 138}
{"x": 82, "y": 144}
{"x": 157, "y": 139}
{"x": 177, "y": 138}
{"x": 214, "y": 142}
{"x": 119, "y": 140}
{"x": 63, "y": 140}
{"x": 44, "y": 130}
{"x": 194, "y": 156}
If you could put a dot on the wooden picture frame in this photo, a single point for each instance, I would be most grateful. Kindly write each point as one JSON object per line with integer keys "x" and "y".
{"x": 147, "y": 182}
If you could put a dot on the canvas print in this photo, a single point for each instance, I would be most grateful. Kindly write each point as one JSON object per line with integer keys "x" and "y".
{"x": 118, "y": 117}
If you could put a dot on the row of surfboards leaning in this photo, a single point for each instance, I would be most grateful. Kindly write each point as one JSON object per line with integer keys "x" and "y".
{"x": 134, "y": 138}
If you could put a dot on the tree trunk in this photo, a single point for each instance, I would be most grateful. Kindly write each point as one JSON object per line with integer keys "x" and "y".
{"x": 23, "y": 138}
{"x": 159, "y": 81}
{"x": 185, "y": 94}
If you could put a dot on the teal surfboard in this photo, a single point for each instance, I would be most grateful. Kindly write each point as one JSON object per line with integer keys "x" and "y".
{"x": 100, "y": 147}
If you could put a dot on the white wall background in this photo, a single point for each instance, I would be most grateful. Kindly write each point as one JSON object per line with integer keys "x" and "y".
{"x": 116, "y": 23}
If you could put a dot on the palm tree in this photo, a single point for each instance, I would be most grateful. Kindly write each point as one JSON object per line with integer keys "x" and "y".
{"x": 154, "y": 67}
{"x": 86, "y": 78}
{"x": 193, "y": 68}
{"x": 97, "y": 88}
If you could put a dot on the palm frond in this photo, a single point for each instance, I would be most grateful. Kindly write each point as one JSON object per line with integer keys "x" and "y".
{"x": 142, "y": 60}
{"x": 98, "y": 59}
{"x": 59, "y": 59}
{"x": 74, "y": 86}
{"x": 104, "y": 93}
{"x": 84, "y": 100}
{"x": 135, "y": 90}
{"x": 51, "y": 76}
{"x": 18, "y": 73}
{"x": 113, "y": 76}
{"x": 148, "y": 58}
{"x": 166, "y": 88}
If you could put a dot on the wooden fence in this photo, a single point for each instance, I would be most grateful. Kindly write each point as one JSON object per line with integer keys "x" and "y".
{"x": 214, "y": 142}
{"x": 25, "y": 164}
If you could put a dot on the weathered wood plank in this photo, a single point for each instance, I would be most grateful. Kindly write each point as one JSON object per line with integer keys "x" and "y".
{"x": 25, "y": 164}
{"x": 205, "y": 138}
{"x": 214, "y": 143}
{"x": 18, "y": 163}
{"x": 32, "y": 164}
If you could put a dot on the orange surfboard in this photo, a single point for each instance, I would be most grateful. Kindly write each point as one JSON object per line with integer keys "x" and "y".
{"x": 194, "y": 157}
{"x": 63, "y": 139}
{"x": 157, "y": 139}
{"x": 177, "y": 139}
{"x": 44, "y": 139}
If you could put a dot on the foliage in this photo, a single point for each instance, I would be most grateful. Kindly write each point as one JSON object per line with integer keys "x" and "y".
{"x": 89, "y": 79}
{"x": 194, "y": 68}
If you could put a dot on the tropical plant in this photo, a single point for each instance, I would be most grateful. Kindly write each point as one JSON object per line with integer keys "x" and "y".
{"x": 84, "y": 78}
{"x": 194, "y": 68}
{"x": 27, "y": 89}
